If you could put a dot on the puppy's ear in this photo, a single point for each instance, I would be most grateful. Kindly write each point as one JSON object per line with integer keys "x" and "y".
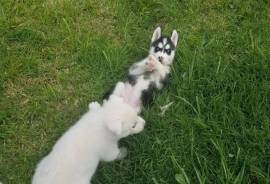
{"x": 174, "y": 37}
{"x": 156, "y": 34}
{"x": 115, "y": 126}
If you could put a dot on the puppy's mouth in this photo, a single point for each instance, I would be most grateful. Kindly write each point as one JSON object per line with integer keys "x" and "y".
{"x": 161, "y": 61}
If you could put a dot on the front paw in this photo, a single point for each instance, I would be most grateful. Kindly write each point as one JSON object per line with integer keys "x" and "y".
{"x": 151, "y": 64}
{"x": 141, "y": 120}
{"x": 119, "y": 88}
{"x": 139, "y": 126}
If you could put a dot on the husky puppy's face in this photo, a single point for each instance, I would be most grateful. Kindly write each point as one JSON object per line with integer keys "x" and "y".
{"x": 163, "y": 47}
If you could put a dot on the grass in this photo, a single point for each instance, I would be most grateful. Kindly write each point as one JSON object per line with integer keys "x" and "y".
{"x": 58, "y": 55}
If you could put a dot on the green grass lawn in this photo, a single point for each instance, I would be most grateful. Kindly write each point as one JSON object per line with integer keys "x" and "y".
{"x": 58, "y": 55}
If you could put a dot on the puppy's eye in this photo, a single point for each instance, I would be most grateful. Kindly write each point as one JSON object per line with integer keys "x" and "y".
{"x": 157, "y": 49}
{"x": 168, "y": 51}
{"x": 134, "y": 125}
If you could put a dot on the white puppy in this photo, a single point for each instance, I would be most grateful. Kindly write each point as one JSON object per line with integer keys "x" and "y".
{"x": 75, "y": 156}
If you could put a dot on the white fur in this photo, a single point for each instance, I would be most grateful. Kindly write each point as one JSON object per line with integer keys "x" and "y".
{"x": 174, "y": 37}
{"x": 156, "y": 34}
{"x": 94, "y": 105}
{"x": 164, "y": 41}
{"x": 75, "y": 156}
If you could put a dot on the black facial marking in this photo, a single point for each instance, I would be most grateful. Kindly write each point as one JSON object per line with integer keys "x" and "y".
{"x": 147, "y": 94}
{"x": 157, "y": 49}
{"x": 160, "y": 40}
{"x": 168, "y": 51}
{"x": 132, "y": 79}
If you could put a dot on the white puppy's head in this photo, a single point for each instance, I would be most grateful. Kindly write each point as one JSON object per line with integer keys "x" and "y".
{"x": 121, "y": 118}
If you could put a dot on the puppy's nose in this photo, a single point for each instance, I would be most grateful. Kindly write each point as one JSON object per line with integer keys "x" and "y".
{"x": 160, "y": 59}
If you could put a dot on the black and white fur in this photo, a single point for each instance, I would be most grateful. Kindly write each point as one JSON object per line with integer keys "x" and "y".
{"x": 162, "y": 47}
{"x": 151, "y": 73}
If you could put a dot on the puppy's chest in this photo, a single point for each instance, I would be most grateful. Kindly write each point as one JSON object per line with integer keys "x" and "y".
{"x": 157, "y": 77}
{"x": 143, "y": 81}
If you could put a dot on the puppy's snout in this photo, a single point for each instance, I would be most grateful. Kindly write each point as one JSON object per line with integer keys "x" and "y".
{"x": 160, "y": 59}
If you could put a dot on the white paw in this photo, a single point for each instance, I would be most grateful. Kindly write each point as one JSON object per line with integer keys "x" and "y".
{"x": 141, "y": 120}
{"x": 94, "y": 105}
{"x": 120, "y": 86}
{"x": 151, "y": 63}
{"x": 139, "y": 126}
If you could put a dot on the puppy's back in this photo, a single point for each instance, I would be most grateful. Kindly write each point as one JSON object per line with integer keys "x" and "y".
{"x": 73, "y": 157}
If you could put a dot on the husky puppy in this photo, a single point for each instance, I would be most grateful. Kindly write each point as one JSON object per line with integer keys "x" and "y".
{"x": 75, "y": 156}
{"x": 132, "y": 92}
{"x": 151, "y": 73}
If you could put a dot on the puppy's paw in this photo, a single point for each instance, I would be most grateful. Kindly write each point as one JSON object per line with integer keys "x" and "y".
{"x": 120, "y": 85}
{"x": 122, "y": 153}
{"x": 151, "y": 64}
{"x": 139, "y": 126}
{"x": 119, "y": 88}
{"x": 94, "y": 106}
{"x": 141, "y": 120}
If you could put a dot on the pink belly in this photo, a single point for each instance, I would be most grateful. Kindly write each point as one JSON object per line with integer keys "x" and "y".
{"x": 131, "y": 96}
